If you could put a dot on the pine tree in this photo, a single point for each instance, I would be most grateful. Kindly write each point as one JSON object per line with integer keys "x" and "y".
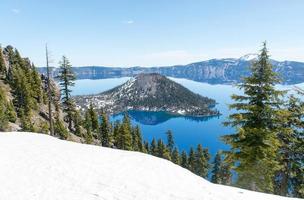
{"x": 88, "y": 126}
{"x": 105, "y": 131}
{"x": 255, "y": 145}
{"x": 94, "y": 118}
{"x": 216, "y": 171}
{"x": 146, "y": 147}
{"x": 191, "y": 160}
{"x": 124, "y": 140}
{"x": 2, "y": 65}
{"x": 162, "y": 150}
{"x": 3, "y": 118}
{"x": 116, "y": 133}
{"x": 184, "y": 160}
{"x": 60, "y": 129}
{"x": 35, "y": 85}
{"x": 290, "y": 176}
{"x": 10, "y": 112}
{"x": 137, "y": 143}
{"x": 175, "y": 156}
{"x": 170, "y": 141}
{"x": 153, "y": 148}
{"x": 66, "y": 81}
{"x": 201, "y": 161}
{"x": 78, "y": 122}
{"x": 221, "y": 171}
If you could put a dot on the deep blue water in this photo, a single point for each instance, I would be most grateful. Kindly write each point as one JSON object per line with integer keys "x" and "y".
{"x": 187, "y": 131}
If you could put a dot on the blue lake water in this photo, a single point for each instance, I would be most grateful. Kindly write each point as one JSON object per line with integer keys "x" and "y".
{"x": 187, "y": 131}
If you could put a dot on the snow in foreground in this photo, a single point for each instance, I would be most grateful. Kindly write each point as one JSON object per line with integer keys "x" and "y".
{"x": 38, "y": 167}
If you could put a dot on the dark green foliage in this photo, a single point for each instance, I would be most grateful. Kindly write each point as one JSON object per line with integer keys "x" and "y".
{"x": 88, "y": 127}
{"x": 77, "y": 124}
{"x": 94, "y": 118}
{"x": 146, "y": 147}
{"x": 255, "y": 145}
{"x": 162, "y": 150}
{"x": 175, "y": 156}
{"x": 105, "y": 131}
{"x": 2, "y": 66}
{"x": 36, "y": 85}
{"x": 191, "y": 160}
{"x": 137, "y": 139}
{"x": 7, "y": 112}
{"x": 26, "y": 123}
{"x": 289, "y": 179}
{"x": 170, "y": 140}
{"x": 184, "y": 160}
{"x": 66, "y": 81}
{"x": 116, "y": 133}
{"x": 26, "y": 87}
{"x": 60, "y": 130}
{"x": 3, "y": 118}
{"x": 124, "y": 138}
{"x": 44, "y": 127}
{"x": 202, "y": 157}
{"x": 11, "y": 113}
{"x": 22, "y": 92}
{"x": 153, "y": 148}
{"x": 221, "y": 171}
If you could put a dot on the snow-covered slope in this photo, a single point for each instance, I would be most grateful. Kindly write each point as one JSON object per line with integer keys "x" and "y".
{"x": 39, "y": 167}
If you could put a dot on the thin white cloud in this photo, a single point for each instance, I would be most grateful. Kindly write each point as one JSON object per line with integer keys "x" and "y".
{"x": 15, "y": 11}
{"x": 128, "y": 21}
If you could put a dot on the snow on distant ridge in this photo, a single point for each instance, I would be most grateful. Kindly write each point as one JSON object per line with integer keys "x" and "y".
{"x": 250, "y": 56}
{"x": 40, "y": 167}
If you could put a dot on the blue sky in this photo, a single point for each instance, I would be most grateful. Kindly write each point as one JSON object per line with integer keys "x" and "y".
{"x": 151, "y": 32}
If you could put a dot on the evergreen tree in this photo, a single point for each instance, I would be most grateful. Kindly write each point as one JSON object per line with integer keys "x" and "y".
{"x": 191, "y": 160}
{"x": 162, "y": 151}
{"x": 66, "y": 81}
{"x": 221, "y": 172}
{"x": 175, "y": 156}
{"x": 105, "y": 131}
{"x": 60, "y": 129}
{"x": 255, "y": 145}
{"x": 137, "y": 139}
{"x": 170, "y": 141}
{"x": 10, "y": 112}
{"x": 94, "y": 118}
{"x": 2, "y": 65}
{"x": 3, "y": 118}
{"x": 36, "y": 86}
{"x": 216, "y": 171}
{"x": 88, "y": 126}
{"x": 184, "y": 160}
{"x": 78, "y": 122}
{"x": 125, "y": 138}
{"x": 290, "y": 176}
{"x": 201, "y": 161}
{"x": 116, "y": 133}
{"x": 146, "y": 147}
{"x": 153, "y": 148}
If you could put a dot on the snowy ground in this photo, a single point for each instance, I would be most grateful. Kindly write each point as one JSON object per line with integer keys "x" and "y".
{"x": 39, "y": 167}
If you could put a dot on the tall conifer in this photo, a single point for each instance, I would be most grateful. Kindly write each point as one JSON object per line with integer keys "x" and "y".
{"x": 255, "y": 144}
{"x": 66, "y": 81}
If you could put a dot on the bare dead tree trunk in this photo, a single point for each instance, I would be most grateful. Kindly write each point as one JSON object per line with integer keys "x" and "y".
{"x": 49, "y": 91}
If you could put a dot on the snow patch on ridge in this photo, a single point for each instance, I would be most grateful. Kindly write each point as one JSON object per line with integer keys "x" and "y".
{"x": 250, "y": 56}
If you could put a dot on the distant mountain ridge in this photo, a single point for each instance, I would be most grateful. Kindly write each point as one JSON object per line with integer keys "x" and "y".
{"x": 150, "y": 92}
{"x": 214, "y": 71}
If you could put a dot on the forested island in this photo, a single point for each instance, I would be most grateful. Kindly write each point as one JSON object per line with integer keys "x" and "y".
{"x": 150, "y": 92}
